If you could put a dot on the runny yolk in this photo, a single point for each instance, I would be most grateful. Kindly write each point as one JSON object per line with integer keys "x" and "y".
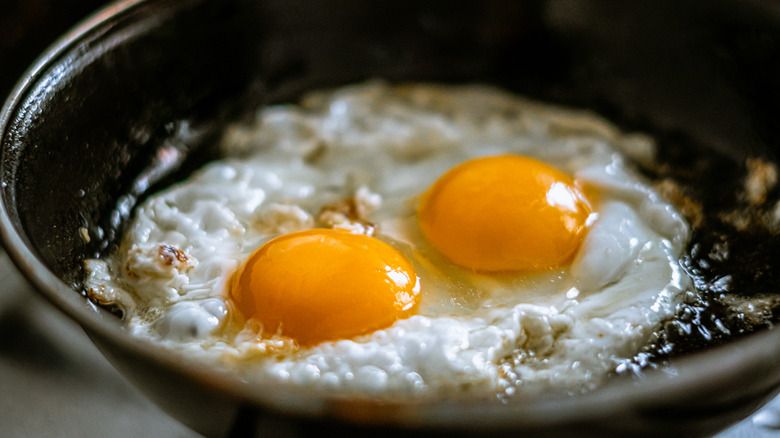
{"x": 322, "y": 284}
{"x": 504, "y": 213}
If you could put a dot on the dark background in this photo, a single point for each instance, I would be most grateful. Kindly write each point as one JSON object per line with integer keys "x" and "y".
{"x": 27, "y": 27}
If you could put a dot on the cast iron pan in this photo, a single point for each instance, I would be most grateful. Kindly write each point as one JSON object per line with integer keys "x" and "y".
{"x": 82, "y": 132}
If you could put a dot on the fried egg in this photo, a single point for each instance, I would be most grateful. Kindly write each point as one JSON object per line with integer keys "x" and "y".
{"x": 407, "y": 241}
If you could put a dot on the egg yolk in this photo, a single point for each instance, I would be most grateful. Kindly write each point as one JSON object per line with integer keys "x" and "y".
{"x": 504, "y": 213}
{"x": 322, "y": 284}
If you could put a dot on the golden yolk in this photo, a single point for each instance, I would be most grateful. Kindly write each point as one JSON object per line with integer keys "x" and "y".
{"x": 322, "y": 284}
{"x": 504, "y": 213}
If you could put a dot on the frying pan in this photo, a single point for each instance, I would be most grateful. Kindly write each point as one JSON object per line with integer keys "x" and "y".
{"x": 137, "y": 95}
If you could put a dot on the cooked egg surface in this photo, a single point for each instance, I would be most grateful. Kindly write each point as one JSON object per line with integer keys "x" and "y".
{"x": 406, "y": 241}
{"x": 322, "y": 285}
{"x": 504, "y": 213}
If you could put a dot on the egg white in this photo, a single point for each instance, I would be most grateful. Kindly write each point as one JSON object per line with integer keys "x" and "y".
{"x": 382, "y": 146}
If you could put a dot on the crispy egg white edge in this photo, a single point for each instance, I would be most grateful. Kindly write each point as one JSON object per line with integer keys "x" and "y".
{"x": 230, "y": 208}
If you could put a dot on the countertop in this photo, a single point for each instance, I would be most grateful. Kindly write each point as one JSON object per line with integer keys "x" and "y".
{"x": 55, "y": 382}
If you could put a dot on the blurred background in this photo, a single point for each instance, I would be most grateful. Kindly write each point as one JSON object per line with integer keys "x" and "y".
{"x": 54, "y": 381}
{"x": 27, "y": 27}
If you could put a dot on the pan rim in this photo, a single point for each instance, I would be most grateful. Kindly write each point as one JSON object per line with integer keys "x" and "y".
{"x": 740, "y": 357}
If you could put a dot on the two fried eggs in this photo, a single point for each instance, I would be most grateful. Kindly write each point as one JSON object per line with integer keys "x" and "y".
{"x": 405, "y": 241}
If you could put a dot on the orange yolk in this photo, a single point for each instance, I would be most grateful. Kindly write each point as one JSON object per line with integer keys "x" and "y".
{"x": 321, "y": 284}
{"x": 504, "y": 213}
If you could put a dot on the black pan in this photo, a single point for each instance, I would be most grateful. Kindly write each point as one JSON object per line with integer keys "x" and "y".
{"x": 81, "y": 131}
